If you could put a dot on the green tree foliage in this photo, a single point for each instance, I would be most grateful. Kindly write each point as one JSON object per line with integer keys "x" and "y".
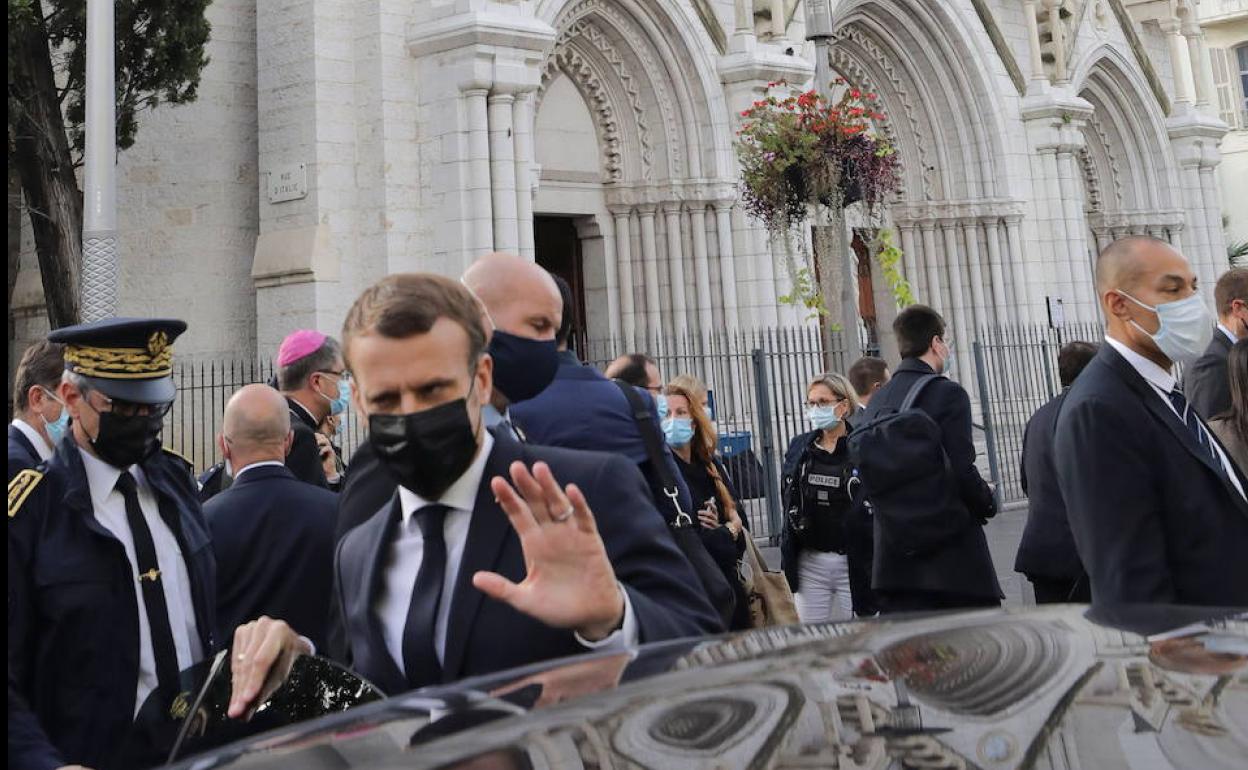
{"x": 160, "y": 53}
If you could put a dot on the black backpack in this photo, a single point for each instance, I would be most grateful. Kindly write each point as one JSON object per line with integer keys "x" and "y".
{"x": 906, "y": 477}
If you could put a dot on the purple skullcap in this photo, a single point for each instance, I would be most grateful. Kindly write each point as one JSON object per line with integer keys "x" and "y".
{"x": 300, "y": 343}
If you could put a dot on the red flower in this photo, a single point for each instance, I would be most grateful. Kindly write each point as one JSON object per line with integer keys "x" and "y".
{"x": 745, "y": 113}
{"x": 872, "y": 97}
{"x": 855, "y": 94}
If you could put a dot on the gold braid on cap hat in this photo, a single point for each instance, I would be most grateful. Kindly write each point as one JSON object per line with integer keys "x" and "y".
{"x": 156, "y": 360}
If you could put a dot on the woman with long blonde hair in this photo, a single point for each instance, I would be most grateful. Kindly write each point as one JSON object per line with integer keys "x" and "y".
{"x": 692, "y": 438}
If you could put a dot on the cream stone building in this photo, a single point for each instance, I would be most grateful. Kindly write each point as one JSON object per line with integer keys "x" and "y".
{"x": 337, "y": 141}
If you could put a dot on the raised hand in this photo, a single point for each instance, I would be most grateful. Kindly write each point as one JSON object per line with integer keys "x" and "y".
{"x": 569, "y": 582}
{"x": 263, "y": 652}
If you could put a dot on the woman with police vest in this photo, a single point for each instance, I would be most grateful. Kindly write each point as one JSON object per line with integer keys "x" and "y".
{"x": 818, "y": 480}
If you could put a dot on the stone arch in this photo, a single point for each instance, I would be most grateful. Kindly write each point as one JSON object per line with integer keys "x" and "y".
{"x": 1126, "y": 138}
{"x": 667, "y": 102}
{"x": 916, "y": 54}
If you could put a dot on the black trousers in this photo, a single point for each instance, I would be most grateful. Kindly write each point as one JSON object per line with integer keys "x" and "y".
{"x": 1061, "y": 590}
{"x": 918, "y": 601}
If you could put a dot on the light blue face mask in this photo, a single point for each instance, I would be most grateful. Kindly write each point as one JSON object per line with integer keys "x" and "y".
{"x": 678, "y": 431}
{"x": 823, "y": 417}
{"x": 58, "y": 427}
{"x": 339, "y": 405}
{"x": 1186, "y": 327}
{"x": 660, "y": 404}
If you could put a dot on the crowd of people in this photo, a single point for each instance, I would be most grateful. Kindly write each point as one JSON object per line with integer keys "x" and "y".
{"x": 512, "y": 504}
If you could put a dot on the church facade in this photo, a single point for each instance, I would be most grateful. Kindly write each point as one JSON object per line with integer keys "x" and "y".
{"x": 337, "y": 141}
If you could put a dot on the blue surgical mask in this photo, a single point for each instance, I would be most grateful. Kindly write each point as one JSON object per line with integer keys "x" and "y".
{"x": 660, "y": 404}
{"x": 678, "y": 431}
{"x": 823, "y": 417}
{"x": 339, "y": 405}
{"x": 1186, "y": 327}
{"x": 57, "y": 428}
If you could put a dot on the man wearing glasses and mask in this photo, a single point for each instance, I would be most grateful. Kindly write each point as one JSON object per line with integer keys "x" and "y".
{"x": 110, "y": 567}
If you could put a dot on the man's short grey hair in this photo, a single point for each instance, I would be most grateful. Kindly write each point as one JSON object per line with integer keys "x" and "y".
{"x": 295, "y": 375}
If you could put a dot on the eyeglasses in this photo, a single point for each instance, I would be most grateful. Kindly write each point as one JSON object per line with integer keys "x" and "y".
{"x": 52, "y": 395}
{"x": 131, "y": 409}
{"x": 823, "y": 402}
{"x": 344, "y": 374}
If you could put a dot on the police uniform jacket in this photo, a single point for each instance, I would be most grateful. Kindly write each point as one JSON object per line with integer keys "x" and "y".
{"x": 73, "y": 615}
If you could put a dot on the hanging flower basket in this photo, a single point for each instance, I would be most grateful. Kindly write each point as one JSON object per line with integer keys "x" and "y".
{"x": 800, "y": 150}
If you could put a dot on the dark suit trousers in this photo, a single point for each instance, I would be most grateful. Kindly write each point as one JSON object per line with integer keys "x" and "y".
{"x": 1062, "y": 590}
{"x": 918, "y": 601}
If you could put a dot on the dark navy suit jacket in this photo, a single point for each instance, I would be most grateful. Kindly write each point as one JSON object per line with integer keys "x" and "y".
{"x": 1154, "y": 517}
{"x": 1047, "y": 549}
{"x": 73, "y": 614}
{"x": 963, "y": 565}
{"x": 22, "y": 454}
{"x": 1207, "y": 382}
{"x": 484, "y": 635}
{"x": 581, "y": 409}
{"x": 274, "y": 540}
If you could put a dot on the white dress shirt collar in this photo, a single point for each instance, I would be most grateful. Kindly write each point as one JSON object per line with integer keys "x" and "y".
{"x": 42, "y": 448}
{"x": 102, "y": 477}
{"x": 1154, "y": 374}
{"x": 1229, "y": 334}
{"x": 260, "y": 464}
{"x": 462, "y": 494}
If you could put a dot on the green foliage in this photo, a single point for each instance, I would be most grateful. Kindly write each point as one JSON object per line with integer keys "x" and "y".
{"x": 888, "y": 255}
{"x": 805, "y": 294}
{"x": 159, "y": 57}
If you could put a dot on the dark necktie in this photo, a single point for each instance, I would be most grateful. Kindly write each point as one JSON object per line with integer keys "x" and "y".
{"x": 420, "y": 657}
{"x": 153, "y": 586}
{"x": 1192, "y": 421}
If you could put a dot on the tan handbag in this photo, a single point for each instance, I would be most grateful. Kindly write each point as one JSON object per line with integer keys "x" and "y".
{"x": 771, "y": 601}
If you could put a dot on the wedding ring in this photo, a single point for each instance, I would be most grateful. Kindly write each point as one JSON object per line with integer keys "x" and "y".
{"x": 242, "y": 656}
{"x": 565, "y": 515}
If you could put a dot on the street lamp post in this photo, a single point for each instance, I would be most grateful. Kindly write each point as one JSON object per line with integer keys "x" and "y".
{"x": 819, "y": 31}
{"x": 99, "y": 215}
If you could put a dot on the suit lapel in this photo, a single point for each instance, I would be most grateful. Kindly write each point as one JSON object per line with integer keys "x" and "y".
{"x": 378, "y": 532}
{"x": 16, "y": 434}
{"x": 487, "y": 531}
{"x": 1152, "y": 401}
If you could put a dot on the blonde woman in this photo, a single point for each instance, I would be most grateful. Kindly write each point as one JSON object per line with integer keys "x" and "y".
{"x": 689, "y": 433}
{"x": 816, "y": 537}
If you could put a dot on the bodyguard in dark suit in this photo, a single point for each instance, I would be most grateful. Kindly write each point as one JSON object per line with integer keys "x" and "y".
{"x": 314, "y": 379}
{"x": 581, "y": 409}
{"x": 39, "y": 417}
{"x": 272, "y": 534}
{"x": 461, "y": 573}
{"x": 1207, "y": 383}
{"x": 960, "y": 572}
{"x": 1157, "y": 509}
{"x": 111, "y": 574}
{"x": 1046, "y": 552}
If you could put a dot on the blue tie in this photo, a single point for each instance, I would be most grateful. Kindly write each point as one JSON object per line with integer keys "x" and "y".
{"x": 1192, "y": 421}
{"x": 420, "y": 656}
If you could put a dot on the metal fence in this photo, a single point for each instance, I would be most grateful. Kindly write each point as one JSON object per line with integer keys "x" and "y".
{"x": 1016, "y": 369}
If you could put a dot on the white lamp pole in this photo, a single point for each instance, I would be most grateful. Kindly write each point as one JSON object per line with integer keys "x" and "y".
{"x": 819, "y": 30}
{"x": 99, "y": 210}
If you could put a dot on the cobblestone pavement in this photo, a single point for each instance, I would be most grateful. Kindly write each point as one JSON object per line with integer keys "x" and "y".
{"x": 1004, "y": 532}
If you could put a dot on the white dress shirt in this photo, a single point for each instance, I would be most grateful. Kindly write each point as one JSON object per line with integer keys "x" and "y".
{"x": 1163, "y": 383}
{"x": 41, "y": 447}
{"x": 1229, "y": 334}
{"x": 406, "y": 552}
{"x": 110, "y": 511}
{"x": 238, "y": 474}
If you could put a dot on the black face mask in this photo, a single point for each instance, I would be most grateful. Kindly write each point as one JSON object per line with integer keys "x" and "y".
{"x": 124, "y": 441}
{"x": 425, "y": 451}
{"x": 522, "y": 367}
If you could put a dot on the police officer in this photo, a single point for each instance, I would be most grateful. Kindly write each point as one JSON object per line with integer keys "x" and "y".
{"x": 111, "y": 572}
{"x": 817, "y": 472}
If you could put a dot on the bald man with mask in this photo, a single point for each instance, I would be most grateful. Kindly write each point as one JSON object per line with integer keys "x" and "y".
{"x": 273, "y": 535}
{"x": 1158, "y": 511}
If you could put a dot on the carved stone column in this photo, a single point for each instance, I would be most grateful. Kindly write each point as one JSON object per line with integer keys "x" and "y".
{"x": 727, "y": 262}
{"x": 624, "y": 269}
{"x": 503, "y": 172}
{"x": 650, "y": 263}
{"x": 676, "y": 268}
{"x": 701, "y": 266}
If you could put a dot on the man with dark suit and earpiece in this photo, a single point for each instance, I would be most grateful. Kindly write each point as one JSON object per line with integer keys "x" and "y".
{"x": 1158, "y": 510}
{"x": 463, "y": 573}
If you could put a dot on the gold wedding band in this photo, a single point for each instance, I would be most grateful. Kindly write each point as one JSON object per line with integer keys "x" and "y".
{"x": 242, "y": 656}
{"x": 565, "y": 515}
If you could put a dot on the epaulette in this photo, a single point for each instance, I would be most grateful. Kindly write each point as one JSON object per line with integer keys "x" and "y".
{"x": 188, "y": 463}
{"x": 20, "y": 488}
